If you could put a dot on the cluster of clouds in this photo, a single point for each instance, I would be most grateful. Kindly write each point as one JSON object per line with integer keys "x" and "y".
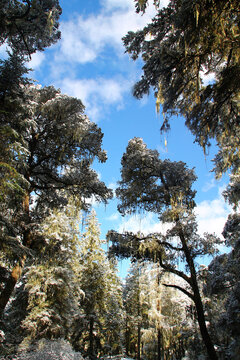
{"x": 88, "y": 39}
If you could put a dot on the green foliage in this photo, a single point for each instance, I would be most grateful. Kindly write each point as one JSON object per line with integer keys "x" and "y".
{"x": 56, "y": 145}
{"x": 62, "y": 144}
{"x": 30, "y": 25}
{"x": 185, "y": 42}
{"x": 12, "y": 100}
{"x": 97, "y": 329}
{"x": 164, "y": 188}
{"x": 153, "y": 185}
{"x": 50, "y": 281}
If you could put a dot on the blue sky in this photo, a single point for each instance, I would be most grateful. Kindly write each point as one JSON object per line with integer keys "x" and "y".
{"x": 89, "y": 63}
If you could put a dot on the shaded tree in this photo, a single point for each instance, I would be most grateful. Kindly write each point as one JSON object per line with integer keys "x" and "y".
{"x": 52, "y": 279}
{"x": 45, "y": 301}
{"x": 222, "y": 287}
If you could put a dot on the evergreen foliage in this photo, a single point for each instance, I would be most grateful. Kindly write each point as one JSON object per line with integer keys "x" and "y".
{"x": 29, "y": 25}
{"x": 58, "y": 144}
{"x": 185, "y": 42}
{"x": 97, "y": 329}
{"x": 164, "y": 188}
{"x": 68, "y": 294}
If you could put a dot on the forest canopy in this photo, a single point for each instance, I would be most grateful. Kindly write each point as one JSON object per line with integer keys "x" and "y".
{"x": 62, "y": 292}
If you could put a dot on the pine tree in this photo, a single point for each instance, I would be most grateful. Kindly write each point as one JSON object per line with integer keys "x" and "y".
{"x": 136, "y": 308}
{"x": 97, "y": 330}
{"x": 164, "y": 188}
{"x": 58, "y": 145}
{"x": 222, "y": 285}
{"x": 26, "y": 26}
{"x": 49, "y": 289}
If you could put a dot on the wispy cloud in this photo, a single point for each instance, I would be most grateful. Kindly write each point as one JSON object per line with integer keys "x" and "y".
{"x": 96, "y": 94}
{"x": 113, "y": 217}
{"x": 96, "y": 40}
{"x": 209, "y": 185}
{"x": 207, "y": 77}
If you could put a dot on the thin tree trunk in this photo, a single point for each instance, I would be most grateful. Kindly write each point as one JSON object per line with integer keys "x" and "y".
{"x": 159, "y": 353}
{"x": 139, "y": 342}
{"x": 139, "y": 321}
{"x": 127, "y": 339}
{"x": 159, "y": 310}
{"x": 91, "y": 337}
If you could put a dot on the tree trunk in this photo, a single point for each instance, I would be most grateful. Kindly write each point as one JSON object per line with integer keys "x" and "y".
{"x": 139, "y": 342}
{"x": 10, "y": 285}
{"x": 202, "y": 325}
{"x": 198, "y": 301}
{"x": 127, "y": 339}
{"x": 159, "y": 353}
{"x": 18, "y": 267}
{"x": 91, "y": 337}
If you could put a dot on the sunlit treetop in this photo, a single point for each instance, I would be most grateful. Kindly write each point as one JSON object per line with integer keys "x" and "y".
{"x": 151, "y": 184}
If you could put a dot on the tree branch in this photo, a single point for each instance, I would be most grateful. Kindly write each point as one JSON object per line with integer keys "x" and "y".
{"x": 191, "y": 296}
{"x": 175, "y": 271}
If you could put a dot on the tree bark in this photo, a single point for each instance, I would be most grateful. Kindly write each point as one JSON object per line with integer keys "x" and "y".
{"x": 91, "y": 337}
{"x": 18, "y": 267}
{"x": 139, "y": 342}
{"x": 10, "y": 285}
{"x": 198, "y": 301}
{"x": 159, "y": 352}
{"x": 127, "y": 340}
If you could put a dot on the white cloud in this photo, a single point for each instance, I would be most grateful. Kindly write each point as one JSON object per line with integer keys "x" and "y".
{"x": 84, "y": 38}
{"x": 96, "y": 94}
{"x": 207, "y": 78}
{"x": 36, "y": 60}
{"x": 113, "y": 186}
{"x": 212, "y": 215}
